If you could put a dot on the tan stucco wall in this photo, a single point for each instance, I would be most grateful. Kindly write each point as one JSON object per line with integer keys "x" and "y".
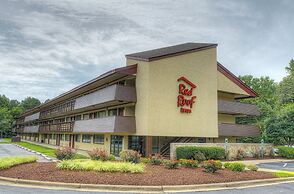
{"x": 225, "y": 96}
{"x": 225, "y": 118}
{"x": 226, "y": 85}
{"x": 157, "y": 113}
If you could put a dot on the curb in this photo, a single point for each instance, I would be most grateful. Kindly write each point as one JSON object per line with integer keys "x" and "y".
{"x": 142, "y": 189}
{"x": 37, "y": 153}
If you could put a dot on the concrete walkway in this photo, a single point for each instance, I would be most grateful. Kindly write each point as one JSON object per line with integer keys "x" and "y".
{"x": 11, "y": 150}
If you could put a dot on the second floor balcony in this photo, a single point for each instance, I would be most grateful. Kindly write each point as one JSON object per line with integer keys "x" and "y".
{"x": 60, "y": 127}
{"x": 237, "y": 108}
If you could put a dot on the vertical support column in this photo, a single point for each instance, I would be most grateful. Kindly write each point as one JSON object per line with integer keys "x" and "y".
{"x": 148, "y": 146}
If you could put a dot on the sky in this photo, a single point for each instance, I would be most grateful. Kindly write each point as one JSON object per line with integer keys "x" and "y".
{"x": 50, "y": 46}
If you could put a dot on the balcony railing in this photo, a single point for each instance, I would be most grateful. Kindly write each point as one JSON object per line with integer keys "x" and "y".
{"x": 32, "y": 117}
{"x": 112, "y": 124}
{"x": 108, "y": 94}
{"x": 237, "y": 108}
{"x": 237, "y": 130}
{"x": 31, "y": 129}
{"x": 60, "y": 127}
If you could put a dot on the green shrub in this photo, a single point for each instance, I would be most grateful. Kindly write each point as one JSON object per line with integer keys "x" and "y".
{"x": 156, "y": 160}
{"x": 65, "y": 153}
{"x": 171, "y": 164}
{"x": 199, "y": 156}
{"x": 252, "y": 167}
{"x": 9, "y": 162}
{"x": 100, "y": 166}
{"x": 111, "y": 157}
{"x": 130, "y": 156}
{"x": 287, "y": 152}
{"x": 188, "y": 152}
{"x": 235, "y": 166}
{"x": 210, "y": 166}
{"x": 218, "y": 164}
{"x": 189, "y": 163}
{"x": 145, "y": 160}
{"x": 227, "y": 164}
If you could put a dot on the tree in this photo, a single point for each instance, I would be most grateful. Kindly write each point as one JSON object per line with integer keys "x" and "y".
{"x": 266, "y": 102}
{"x": 10, "y": 109}
{"x": 30, "y": 102}
{"x": 280, "y": 127}
{"x": 5, "y": 121}
{"x": 286, "y": 86}
{"x": 290, "y": 69}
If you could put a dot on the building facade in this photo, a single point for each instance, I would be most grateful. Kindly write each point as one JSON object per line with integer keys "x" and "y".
{"x": 172, "y": 94}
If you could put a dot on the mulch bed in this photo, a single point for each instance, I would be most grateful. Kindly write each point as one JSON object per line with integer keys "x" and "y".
{"x": 154, "y": 175}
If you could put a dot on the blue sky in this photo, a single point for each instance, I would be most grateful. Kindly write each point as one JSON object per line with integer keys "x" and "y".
{"x": 48, "y": 47}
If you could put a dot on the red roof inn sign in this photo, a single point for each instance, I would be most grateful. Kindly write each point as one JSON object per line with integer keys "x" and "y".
{"x": 185, "y": 96}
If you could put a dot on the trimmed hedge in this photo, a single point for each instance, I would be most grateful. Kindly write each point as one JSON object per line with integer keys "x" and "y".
{"x": 188, "y": 152}
{"x": 287, "y": 152}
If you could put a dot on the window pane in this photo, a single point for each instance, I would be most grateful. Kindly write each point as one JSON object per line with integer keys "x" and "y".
{"x": 77, "y": 137}
{"x": 66, "y": 137}
{"x": 99, "y": 139}
{"x": 112, "y": 112}
{"x": 86, "y": 139}
{"x": 102, "y": 114}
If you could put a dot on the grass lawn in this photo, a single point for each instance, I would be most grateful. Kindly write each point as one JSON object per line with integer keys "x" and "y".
{"x": 5, "y": 141}
{"x": 283, "y": 174}
{"x": 45, "y": 150}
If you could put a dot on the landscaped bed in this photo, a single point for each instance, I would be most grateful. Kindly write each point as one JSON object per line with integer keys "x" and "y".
{"x": 153, "y": 175}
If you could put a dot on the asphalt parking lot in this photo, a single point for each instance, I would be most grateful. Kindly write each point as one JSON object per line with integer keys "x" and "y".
{"x": 286, "y": 166}
{"x": 9, "y": 150}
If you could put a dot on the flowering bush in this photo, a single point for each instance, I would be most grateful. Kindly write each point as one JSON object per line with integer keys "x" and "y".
{"x": 130, "y": 156}
{"x": 65, "y": 153}
{"x": 189, "y": 163}
{"x": 171, "y": 164}
{"x": 210, "y": 166}
{"x": 99, "y": 154}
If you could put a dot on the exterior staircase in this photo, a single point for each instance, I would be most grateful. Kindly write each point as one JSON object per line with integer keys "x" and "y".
{"x": 165, "y": 149}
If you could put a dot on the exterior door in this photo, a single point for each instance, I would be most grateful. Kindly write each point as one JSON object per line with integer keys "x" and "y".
{"x": 116, "y": 144}
{"x": 72, "y": 141}
{"x": 58, "y": 139}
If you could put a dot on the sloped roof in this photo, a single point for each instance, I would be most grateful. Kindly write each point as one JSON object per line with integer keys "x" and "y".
{"x": 236, "y": 80}
{"x": 164, "y": 52}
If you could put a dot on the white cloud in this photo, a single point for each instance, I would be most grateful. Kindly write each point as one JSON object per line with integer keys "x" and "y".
{"x": 48, "y": 47}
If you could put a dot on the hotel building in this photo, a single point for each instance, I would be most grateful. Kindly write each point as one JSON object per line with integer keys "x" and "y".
{"x": 179, "y": 93}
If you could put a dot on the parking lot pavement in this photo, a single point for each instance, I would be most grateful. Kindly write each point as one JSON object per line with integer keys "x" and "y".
{"x": 285, "y": 166}
{"x": 10, "y": 150}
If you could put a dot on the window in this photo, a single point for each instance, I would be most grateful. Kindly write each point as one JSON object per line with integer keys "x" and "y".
{"x": 86, "y": 139}
{"x": 99, "y": 139}
{"x": 77, "y": 137}
{"x": 112, "y": 112}
{"x": 78, "y": 117}
{"x": 66, "y": 137}
{"x": 121, "y": 111}
{"x": 53, "y": 136}
{"x": 86, "y": 116}
{"x": 202, "y": 140}
{"x": 102, "y": 114}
